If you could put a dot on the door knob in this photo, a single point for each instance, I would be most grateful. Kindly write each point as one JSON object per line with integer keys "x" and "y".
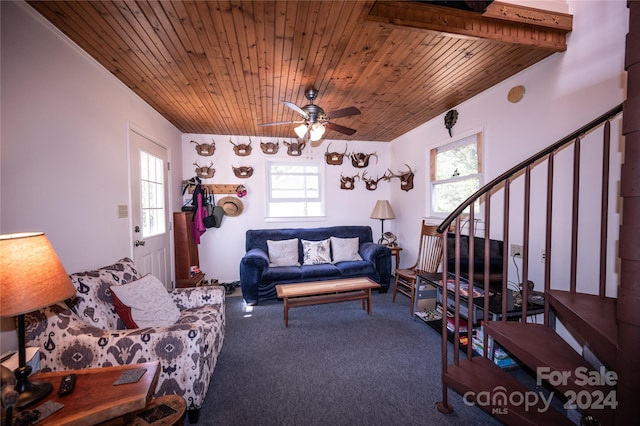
{"x": 138, "y": 243}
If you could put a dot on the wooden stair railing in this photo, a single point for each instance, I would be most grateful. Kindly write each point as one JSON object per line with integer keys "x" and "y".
{"x": 608, "y": 389}
{"x": 537, "y": 346}
{"x": 591, "y": 318}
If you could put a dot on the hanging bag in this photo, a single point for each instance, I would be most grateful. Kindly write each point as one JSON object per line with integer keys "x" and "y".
{"x": 216, "y": 213}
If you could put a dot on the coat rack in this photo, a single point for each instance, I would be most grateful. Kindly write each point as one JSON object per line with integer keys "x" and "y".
{"x": 218, "y": 188}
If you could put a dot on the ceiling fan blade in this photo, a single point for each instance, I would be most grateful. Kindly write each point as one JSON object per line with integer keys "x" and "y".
{"x": 339, "y": 128}
{"x": 296, "y": 108}
{"x": 344, "y": 112}
{"x": 277, "y": 123}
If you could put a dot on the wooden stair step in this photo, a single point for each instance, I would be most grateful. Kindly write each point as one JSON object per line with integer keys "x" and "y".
{"x": 538, "y": 346}
{"x": 482, "y": 375}
{"x": 593, "y": 317}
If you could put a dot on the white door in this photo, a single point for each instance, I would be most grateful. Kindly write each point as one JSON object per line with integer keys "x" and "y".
{"x": 149, "y": 208}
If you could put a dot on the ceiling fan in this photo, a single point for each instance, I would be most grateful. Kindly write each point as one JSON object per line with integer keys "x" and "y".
{"x": 314, "y": 120}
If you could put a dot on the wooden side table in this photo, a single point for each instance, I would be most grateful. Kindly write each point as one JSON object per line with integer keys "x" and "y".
{"x": 395, "y": 251}
{"x": 95, "y": 399}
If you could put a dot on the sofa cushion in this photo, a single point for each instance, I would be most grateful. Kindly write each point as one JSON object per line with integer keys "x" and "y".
{"x": 345, "y": 249}
{"x": 93, "y": 295}
{"x": 283, "y": 252}
{"x": 356, "y": 269}
{"x": 282, "y": 273}
{"x": 144, "y": 303}
{"x": 316, "y": 252}
{"x": 323, "y": 271}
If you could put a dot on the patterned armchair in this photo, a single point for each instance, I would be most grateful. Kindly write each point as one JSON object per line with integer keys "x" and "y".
{"x": 90, "y": 334}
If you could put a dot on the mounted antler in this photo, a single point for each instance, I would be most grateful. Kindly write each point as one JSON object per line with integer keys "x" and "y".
{"x": 348, "y": 182}
{"x": 295, "y": 149}
{"x": 361, "y": 160}
{"x": 269, "y": 147}
{"x": 372, "y": 184}
{"x": 205, "y": 149}
{"x": 243, "y": 172}
{"x": 204, "y": 172}
{"x": 406, "y": 178}
{"x": 241, "y": 149}
{"x": 334, "y": 158}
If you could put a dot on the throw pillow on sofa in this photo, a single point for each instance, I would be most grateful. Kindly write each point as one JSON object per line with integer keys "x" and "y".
{"x": 316, "y": 252}
{"x": 144, "y": 303}
{"x": 345, "y": 249}
{"x": 283, "y": 252}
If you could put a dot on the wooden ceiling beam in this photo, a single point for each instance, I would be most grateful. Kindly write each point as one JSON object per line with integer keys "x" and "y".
{"x": 501, "y": 22}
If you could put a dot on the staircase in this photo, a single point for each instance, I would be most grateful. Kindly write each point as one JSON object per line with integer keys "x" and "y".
{"x": 581, "y": 354}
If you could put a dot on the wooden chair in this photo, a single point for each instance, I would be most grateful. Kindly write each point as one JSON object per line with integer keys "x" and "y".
{"x": 429, "y": 257}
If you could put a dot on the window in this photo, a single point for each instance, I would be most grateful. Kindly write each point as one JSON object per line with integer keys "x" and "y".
{"x": 295, "y": 189}
{"x": 456, "y": 173}
{"x": 152, "y": 195}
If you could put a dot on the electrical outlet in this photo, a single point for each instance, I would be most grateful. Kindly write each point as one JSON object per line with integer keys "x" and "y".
{"x": 543, "y": 256}
{"x": 516, "y": 250}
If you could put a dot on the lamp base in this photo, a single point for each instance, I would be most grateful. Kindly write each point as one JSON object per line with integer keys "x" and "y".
{"x": 30, "y": 393}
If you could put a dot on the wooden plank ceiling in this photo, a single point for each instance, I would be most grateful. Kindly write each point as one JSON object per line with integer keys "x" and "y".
{"x": 224, "y": 67}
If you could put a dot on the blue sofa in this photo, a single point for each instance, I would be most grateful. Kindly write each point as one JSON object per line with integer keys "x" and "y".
{"x": 258, "y": 280}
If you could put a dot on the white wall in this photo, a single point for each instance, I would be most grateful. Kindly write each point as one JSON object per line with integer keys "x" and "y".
{"x": 222, "y": 248}
{"x": 64, "y": 145}
{"x": 563, "y": 92}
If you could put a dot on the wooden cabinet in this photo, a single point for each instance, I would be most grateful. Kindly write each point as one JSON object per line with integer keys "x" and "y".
{"x": 186, "y": 251}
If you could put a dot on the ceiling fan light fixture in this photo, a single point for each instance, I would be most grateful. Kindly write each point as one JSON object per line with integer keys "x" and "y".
{"x": 317, "y": 131}
{"x": 301, "y": 130}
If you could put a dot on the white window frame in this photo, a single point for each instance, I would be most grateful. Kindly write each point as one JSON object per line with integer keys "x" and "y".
{"x": 270, "y": 163}
{"x": 152, "y": 195}
{"x": 476, "y": 137}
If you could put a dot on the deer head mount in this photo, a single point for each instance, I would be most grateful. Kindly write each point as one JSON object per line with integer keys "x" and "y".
{"x": 360, "y": 160}
{"x": 205, "y": 149}
{"x": 204, "y": 172}
{"x": 348, "y": 182}
{"x": 243, "y": 172}
{"x": 295, "y": 149}
{"x": 334, "y": 158}
{"x": 269, "y": 147}
{"x": 406, "y": 178}
{"x": 372, "y": 184}
{"x": 241, "y": 149}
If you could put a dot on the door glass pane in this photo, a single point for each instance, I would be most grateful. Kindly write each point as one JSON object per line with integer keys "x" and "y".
{"x": 152, "y": 195}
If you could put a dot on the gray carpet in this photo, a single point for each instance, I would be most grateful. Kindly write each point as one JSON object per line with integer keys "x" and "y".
{"x": 334, "y": 365}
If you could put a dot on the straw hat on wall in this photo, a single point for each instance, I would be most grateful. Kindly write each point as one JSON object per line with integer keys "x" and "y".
{"x": 232, "y": 206}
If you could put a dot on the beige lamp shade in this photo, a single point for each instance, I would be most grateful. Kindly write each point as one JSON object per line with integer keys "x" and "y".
{"x": 382, "y": 210}
{"x": 31, "y": 275}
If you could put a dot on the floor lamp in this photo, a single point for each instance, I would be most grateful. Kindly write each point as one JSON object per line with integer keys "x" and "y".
{"x": 382, "y": 211}
{"x": 32, "y": 277}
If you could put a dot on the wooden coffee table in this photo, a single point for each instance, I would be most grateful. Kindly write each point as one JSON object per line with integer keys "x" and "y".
{"x": 318, "y": 292}
{"x": 95, "y": 399}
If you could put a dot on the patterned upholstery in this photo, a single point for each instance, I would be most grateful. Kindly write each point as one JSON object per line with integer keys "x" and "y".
{"x": 89, "y": 334}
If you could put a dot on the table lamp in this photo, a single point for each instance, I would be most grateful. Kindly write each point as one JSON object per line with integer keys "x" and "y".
{"x": 382, "y": 211}
{"x": 31, "y": 277}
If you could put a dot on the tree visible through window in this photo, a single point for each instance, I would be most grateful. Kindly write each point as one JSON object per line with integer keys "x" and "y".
{"x": 152, "y": 194}
{"x": 295, "y": 189}
{"x": 456, "y": 173}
